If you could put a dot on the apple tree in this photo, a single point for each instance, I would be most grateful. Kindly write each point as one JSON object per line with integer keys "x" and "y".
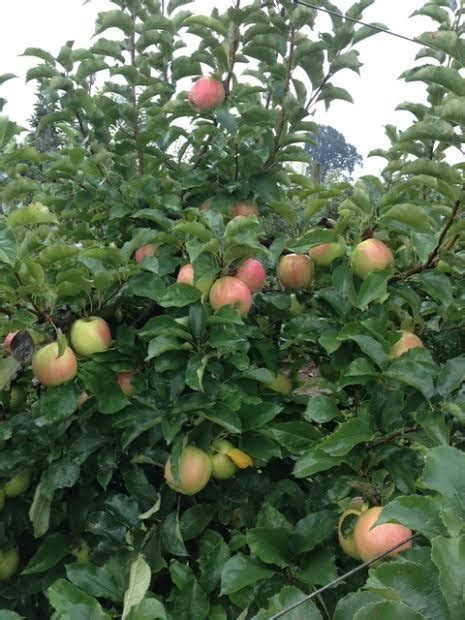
{"x": 208, "y": 388}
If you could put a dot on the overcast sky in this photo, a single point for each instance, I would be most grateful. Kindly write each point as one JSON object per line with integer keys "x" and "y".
{"x": 377, "y": 92}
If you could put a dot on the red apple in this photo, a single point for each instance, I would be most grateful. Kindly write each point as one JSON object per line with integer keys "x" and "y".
{"x": 252, "y": 273}
{"x": 52, "y": 370}
{"x": 407, "y": 341}
{"x": 371, "y": 542}
{"x": 124, "y": 379}
{"x": 324, "y": 254}
{"x": 296, "y": 271}
{"x": 8, "y": 338}
{"x": 90, "y": 335}
{"x": 206, "y": 94}
{"x": 370, "y": 255}
{"x": 230, "y": 290}
{"x": 186, "y": 275}
{"x": 243, "y": 208}
{"x": 194, "y": 471}
{"x": 145, "y": 250}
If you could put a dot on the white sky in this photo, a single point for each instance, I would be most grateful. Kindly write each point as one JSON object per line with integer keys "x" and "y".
{"x": 377, "y": 92}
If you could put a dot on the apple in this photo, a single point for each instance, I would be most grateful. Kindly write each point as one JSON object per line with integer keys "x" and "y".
{"x": 9, "y": 562}
{"x": 90, "y": 335}
{"x": 52, "y": 370}
{"x": 8, "y": 338}
{"x": 371, "y": 542}
{"x": 195, "y": 470}
{"x": 17, "y": 397}
{"x": 186, "y": 275}
{"x": 244, "y": 209}
{"x": 324, "y": 254}
{"x": 407, "y": 341}
{"x": 124, "y": 379}
{"x": 230, "y": 290}
{"x": 252, "y": 273}
{"x": 347, "y": 543}
{"x": 296, "y": 271}
{"x": 18, "y": 484}
{"x": 370, "y": 255}
{"x": 206, "y": 94}
{"x": 145, "y": 250}
{"x": 281, "y": 384}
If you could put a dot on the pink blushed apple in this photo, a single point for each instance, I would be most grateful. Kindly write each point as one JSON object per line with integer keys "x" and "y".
{"x": 146, "y": 250}
{"x": 206, "y": 94}
{"x": 90, "y": 335}
{"x": 230, "y": 290}
{"x": 51, "y": 370}
{"x": 296, "y": 271}
{"x": 252, "y": 273}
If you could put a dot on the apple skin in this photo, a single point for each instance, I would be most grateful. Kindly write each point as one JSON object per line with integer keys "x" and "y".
{"x": 370, "y": 255}
{"x": 51, "y": 370}
{"x": 17, "y": 398}
{"x": 90, "y": 335}
{"x": 124, "y": 379}
{"x": 186, "y": 275}
{"x": 9, "y": 562}
{"x": 243, "y": 208}
{"x": 8, "y": 338}
{"x": 195, "y": 470}
{"x": 230, "y": 290}
{"x": 206, "y": 94}
{"x": 145, "y": 250}
{"x": 371, "y": 542}
{"x": 407, "y": 341}
{"x": 281, "y": 384}
{"x": 252, "y": 273}
{"x": 18, "y": 485}
{"x": 323, "y": 255}
{"x": 296, "y": 271}
{"x": 222, "y": 466}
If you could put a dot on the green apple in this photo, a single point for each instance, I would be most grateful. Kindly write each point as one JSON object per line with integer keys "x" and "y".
{"x": 9, "y": 562}
{"x": 18, "y": 484}
{"x": 90, "y": 335}
{"x": 17, "y": 397}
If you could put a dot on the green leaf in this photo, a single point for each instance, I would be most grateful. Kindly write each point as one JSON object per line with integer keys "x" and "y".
{"x": 443, "y": 473}
{"x": 449, "y": 556}
{"x": 387, "y": 611}
{"x": 354, "y": 602}
{"x": 437, "y": 285}
{"x": 114, "y": 19}
{"x": 107, "y": 581}
{"x": 8, "y": 130}
{"x": 349, "y": 60}
{"x": 287, "y": 597}
{"x": 37, "y": 52}
{"x": 139, "y": 582}
{"x": 439, "y": 170}
{"x": 348, "y": 435}
{"x": 417, "y": 512}
{"x": 71, "y": 602}
{"x": 211, "y": 23}
{"x": 194, "y": 520}
{"x": 270, "y": 545}
{"x": 7, "y": 246}
{"x": 241, "y": 571}
{"x": 404, "y": 218}
{"x": 451, "y": 376}
{"x": 416, "y": 369}
{"x": 4, "y": 77}
{"x": 321, "y": 409}
{"x": 39, "y": 513}
{"x": 58, "y": 403}
{"x": 314, "y": 462}
{"x": 33, "y": 214}
{"x": 313, "y": 529}
{"x": 179, "y": 296}
{"x": 373, "y": 288}
{"x": 213, "y": 555}
{"x": 53, "y": 549}
{"x": 148, "y": 609}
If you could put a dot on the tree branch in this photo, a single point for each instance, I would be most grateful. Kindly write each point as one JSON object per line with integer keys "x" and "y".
{"x": 389, "y": 438}
{"x": 232, "y": 53}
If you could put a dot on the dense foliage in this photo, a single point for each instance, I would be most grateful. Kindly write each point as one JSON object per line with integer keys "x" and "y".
{"x": 305, "y": 384}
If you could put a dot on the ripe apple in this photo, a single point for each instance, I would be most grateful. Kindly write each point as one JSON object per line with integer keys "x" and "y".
{"x": 296, "y": 271}
{"x": 195, "y": 470}
{"x": 371, "y": 542}
{"x": 324, "y": 254}
{"x": 407, "y": 341}
{"x": 281, "y": 384}
{"x": 52, "y": 370}
{"x": 230, "y": 290}
{"x": 18, "y": 484}
{"x": 9, "y": 562}
{"x": 370, "y": 255}
{"x": 252, "y": 273}
{"x": 145, "y": 250}
{"x": 243, "y": 208}
{"x": 90, "y": 335}
{"x": 206, "y": 94}
{"x": 186, "y": 275}
{"x": 124, "y": 379}
{"x": 8, "y": 338}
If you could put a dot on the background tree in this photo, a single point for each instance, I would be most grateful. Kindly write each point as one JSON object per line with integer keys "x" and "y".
{"x": 333, "y": 153}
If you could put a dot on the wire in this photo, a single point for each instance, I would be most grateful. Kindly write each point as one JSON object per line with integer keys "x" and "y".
{"x": 357, "y": 21}
{"x": 355, "y": 570}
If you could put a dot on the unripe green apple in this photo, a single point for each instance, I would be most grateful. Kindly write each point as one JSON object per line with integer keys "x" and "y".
{"x": 372, "y": 541}
{"x": 9, "y": 562}
{"x": 90, "y": 335}
{"x": 195, "y": 470}
{"x": 230, "y": 290}
{"x": 324, "y": 254}
{"x": 407, "y": 341}
{"x": 52, "y": 370}
{"x": 296, "y": 271}
{"x": 370, "y": 255}
{"x": 18, "y": 484}
{"x": 17, "y": 397}
{"x": 222, "y": 466}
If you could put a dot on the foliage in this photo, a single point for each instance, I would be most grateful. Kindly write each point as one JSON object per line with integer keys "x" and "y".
{"x": 99, "y": 533}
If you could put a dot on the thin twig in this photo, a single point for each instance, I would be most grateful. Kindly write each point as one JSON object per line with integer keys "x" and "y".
{"x": 388, "y": 438}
